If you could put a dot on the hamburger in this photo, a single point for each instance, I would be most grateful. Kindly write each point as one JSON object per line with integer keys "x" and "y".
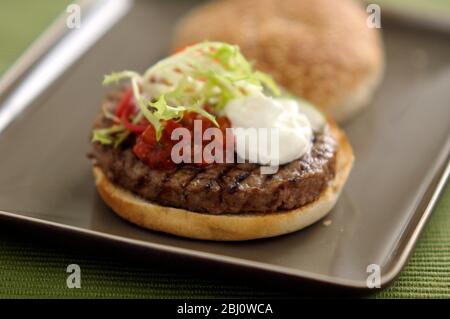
{"x": 321, "y": 50}
{"x": 173, "y": 149}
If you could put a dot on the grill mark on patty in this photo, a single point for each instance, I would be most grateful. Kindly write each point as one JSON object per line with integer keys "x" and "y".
{"x": 254, "y": 176}
{"x": 208, "y": 186}
{"x": 203, "y": 191}
{"x": 173, "y": 188}
{"x": 195, "y": 178}
{"x": 167, "y": 178}
{"x": 197, "y": 171}
{"x": 232, "y": 188}
{"x": 222, "y": 175}
{"x": 220, "y": 182}
{"x": 231, "y": 195}
{"x": 141, "y": 181}
{"x": 233, "y": 177}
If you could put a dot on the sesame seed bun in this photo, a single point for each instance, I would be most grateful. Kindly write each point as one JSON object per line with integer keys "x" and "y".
{"x": 227, "y": 227}
{"x": 321, "y": 50}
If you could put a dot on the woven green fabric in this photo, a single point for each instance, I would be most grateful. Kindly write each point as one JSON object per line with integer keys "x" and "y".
{"x": 427, "y": 275}
{"x": 21, "y": 22}
{"x": 30, "y": 267}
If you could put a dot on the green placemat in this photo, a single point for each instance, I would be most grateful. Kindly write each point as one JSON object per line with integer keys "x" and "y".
{"x": 21, "y": 22}
{"x": 33, "y": 268}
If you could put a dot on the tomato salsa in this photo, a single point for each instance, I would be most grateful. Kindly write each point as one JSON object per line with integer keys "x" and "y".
{"x": 157, "y": 153}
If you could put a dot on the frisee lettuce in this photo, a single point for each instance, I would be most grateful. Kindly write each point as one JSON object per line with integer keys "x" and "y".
{"x": 210, "y": 73}
{"x": 106, "y": 135}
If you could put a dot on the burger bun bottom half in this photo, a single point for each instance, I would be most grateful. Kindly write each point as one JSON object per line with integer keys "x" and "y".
{"x": 227, "y": 227}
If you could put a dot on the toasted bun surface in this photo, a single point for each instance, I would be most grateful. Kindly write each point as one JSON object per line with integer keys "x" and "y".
{"x": 231, "y": 227}
{"x": 321, "y": 50}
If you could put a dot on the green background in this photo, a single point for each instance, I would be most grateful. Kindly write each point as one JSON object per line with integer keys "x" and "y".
{"x": 32, "y": 266}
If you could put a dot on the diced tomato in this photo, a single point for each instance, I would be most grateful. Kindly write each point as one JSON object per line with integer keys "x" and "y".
{"x": 181, "y": 49}
{"x": 208, "y": 108}
{"x": 169, "y": 127}
{"x": 124, "y": 110}
{"x": 157, "y": 154}
{"x": 188, "y": 120}
{"x": 149, "y": 135}
{"x": 224, "y": 123}
{"x": 141, "y": 149}
{"x": 124, "y": 102}
{"x": 134, "y": 128}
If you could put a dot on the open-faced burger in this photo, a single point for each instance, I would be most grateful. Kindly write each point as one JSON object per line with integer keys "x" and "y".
{"x": 203, "y": 146}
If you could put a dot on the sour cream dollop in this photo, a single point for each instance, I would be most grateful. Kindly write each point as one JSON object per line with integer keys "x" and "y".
{"x": 250, "y": 114}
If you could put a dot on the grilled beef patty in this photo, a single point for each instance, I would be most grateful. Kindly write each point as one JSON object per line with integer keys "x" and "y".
{"x": 221, "y": 188}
